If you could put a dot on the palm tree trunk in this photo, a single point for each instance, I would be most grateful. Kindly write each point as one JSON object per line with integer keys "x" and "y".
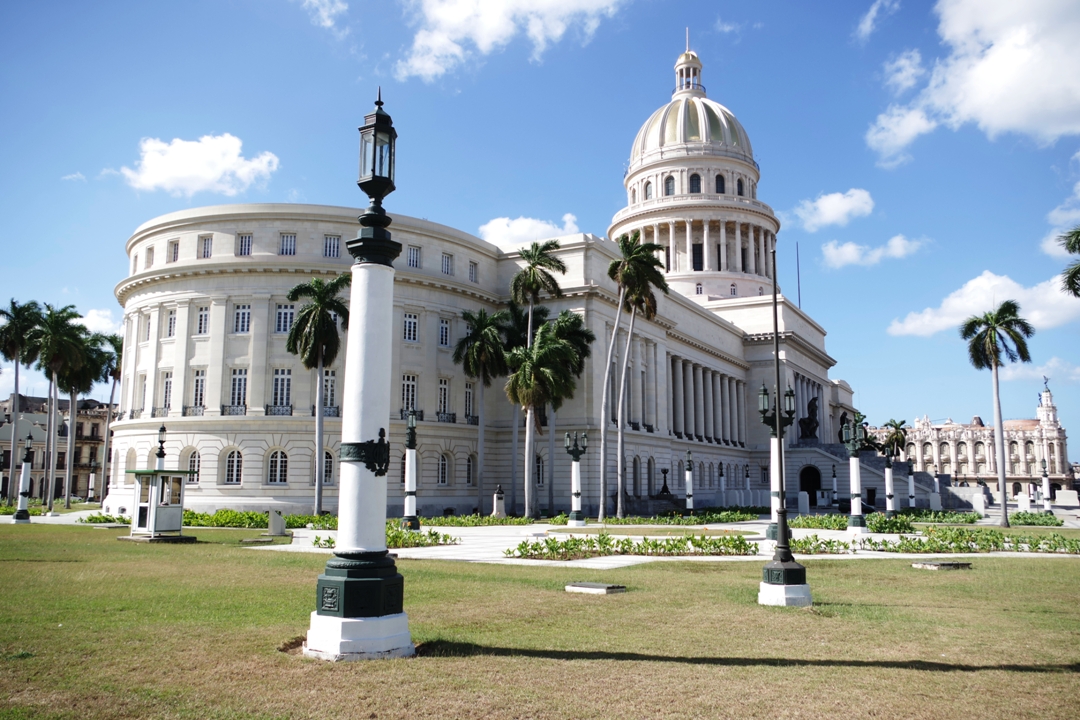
{"x": 54, "y": 402}
{"x": 551, "y": 462}
{"x": 320, "y": 464}
{"x": 105, "y": 448}
{"x": 69, "y": 466}
{"x": 480, "y": 450}
{"x": 48, "y": 445}
{"x": 14, "y": 431}
{"x": 604, "y": 407}
{"x": 621, "y": 431}
{"x": 999, "y": 447}
{"x": 514, "y": 460}
{"x": 530, "y": 464}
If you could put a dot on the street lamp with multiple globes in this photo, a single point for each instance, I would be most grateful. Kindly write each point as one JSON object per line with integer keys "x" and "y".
{"x": 769, "y": 418}
{"x": 576, "y": 451}
{"x": 854, "y": 435}
{"x": 358, "y": 600}
{"x": 783, "y": 581}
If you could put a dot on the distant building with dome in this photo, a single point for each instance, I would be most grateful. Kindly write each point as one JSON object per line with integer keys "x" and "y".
{"x": 205, "y": 320}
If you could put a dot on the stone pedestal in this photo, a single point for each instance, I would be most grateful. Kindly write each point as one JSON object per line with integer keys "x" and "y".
{"x": 978, "y": 504}
{"x": 576, "y": 518}
{"x": 1023, "y": 502}
{"x": 935, "y": 501}
{"x": 804, "y": 503}
{"x": 337, "y": 638}
{"x": 784, "y": 595}
{"x": 276, "y": 524}
{"x": 499, "y": 503}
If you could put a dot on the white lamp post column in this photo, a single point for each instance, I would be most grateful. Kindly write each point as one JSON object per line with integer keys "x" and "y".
{"x": 22, "y": 514}
{"x": 1046, "y": 489}
{"x": 854, "y": 434}
{"x": 358, "y": 613}
{"x": 410, "y": 521}
{"x": 911, "y": 483}
{"x": 576, "y": 451}
{"x": 834, "y": 486}
{"x": 689, "y": 481}
{"x": 890, "y": 498}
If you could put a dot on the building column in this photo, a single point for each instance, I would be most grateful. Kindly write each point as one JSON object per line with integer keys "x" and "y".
{"x": 260, "y": 348}
{"x": 740, "y": 408}
{"x": 675, "y": 267}
{"x": 215, "y": 370}
{"x": 751, "y": 249}
{"x": 677, "y": 395}
{"x": 181, "y": 342}
{"x": 733, "y": 433}
{"x": 937, "y": 452}
{"x": 635, "y": 384}
{"x": 131, "y": 353}
{"x": 689, "y": 245}
{"x": 723, "y": 246}
{"x": 707, "y": 394}
{"x": 718, "y": 421}
{"x": 738, "y": 247}
{"x": 705, "y": 248}
{"x": 650, "y": 385}
{"x": 699, "y": 402}
{"x": 688, "y": 398}
{"x": 151, "y": 365}
{"x": 763, "y": 265}
{"x": 663, "y": 390}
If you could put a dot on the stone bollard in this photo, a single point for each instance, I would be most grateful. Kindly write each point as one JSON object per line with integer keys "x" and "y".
{"x": 499, "y": 503}
{"x": 935, "y": 501}
{"x": 978, "y": 504}
{"x": 804, "y": 503}
{"x": 277, "y": 524}
{"x": 1023, "y": 501}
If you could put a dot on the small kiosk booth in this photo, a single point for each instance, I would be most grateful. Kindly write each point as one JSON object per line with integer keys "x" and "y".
{"x": 157, "y": 513}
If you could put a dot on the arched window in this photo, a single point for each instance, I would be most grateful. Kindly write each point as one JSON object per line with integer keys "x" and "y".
{"x": 279, "y": 467}
{"x": 234, "y": 468}
{"x": 697, "y": 289}
{"x": 739, "y": 187}
{"x": 761, "y": 291}
{"x": 648, "y": 191}
{"x": 328, "y": 468}
{"x": 633, "y": 196}
{"x": 719, "y": 184}
{"x": 194, "y": 462}
{"x": 444, "y": 470}
{"x": 695, "y": 183}
{"x": 734, "y": 290}
{"x": 470, "y": 470}
{"x": 539, "y": 470}
{"x": 669, "y": 185}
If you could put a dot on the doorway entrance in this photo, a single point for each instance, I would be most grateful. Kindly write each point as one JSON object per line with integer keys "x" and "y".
{"x": 810, "y": 483}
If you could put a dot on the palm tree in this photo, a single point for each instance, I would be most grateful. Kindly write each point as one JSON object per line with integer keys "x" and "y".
{"x": 992, "y": 336}
{"x": 481, "y": 354}
{"x": 895, "y": 438}
{"x": 541, "y": 373}
{"x": 529, "y": 281}
{"x": 19, "y": 319}
{"x": 113, "y": 369}
{"x": 1070, "y": 279}
{"x": 568, "y": 326}
{"x": 79, "y": 380}
{"x": 314, "y": 337}
{"x": 58, "y": 343}
{"x": 637, "y": 273}
{"x": 516, "y": 334}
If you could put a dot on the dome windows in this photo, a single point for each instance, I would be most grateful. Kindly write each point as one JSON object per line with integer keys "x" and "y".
{"x": 719, "y": 184}
{"x": 633, "y": 196}
{"x": 669, "y": 185}
{"x": 695, "y": 183}
{"x": 739, "y": 187}
{"x": 734, "y": 290}
{"x": 648, "y": 191}
{"x": 697, "y": 289}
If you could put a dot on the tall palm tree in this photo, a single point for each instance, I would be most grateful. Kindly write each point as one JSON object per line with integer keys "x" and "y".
{"x": 1070, "y": 279}
{"x": 992, "y": 338}
{"x": 535, "y": 277}
{"x": 482, "y": 355}
{"x": 516, "y": 333}
{"x": 895, "y": 439}
{"x": 568, "y": 326}
{"x": 19, "y": 320}
{"x": 314, "y": 337}
{"x": 78, "y": 380}
{"x": 637, "y": 273}
{"x": 113, "y": 369}
{"x": 539, "y": 374}
{"x": 58, "y": 343}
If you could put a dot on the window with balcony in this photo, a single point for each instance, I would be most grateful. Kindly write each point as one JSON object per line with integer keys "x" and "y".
{"x": 469, "y": 400}
{"x": 444, "y": 395}
{"x": 282, "y": 390}
{"x": 695, "y": 183}
{"x": 238, "y": 389}
{"x": 329, "y": 388}
{"x": 648, "y": 191}
{"x": 408, "y": 392}
{"x": 166, "y": 390}
{"x": 739, "y": 187}
{"x": 198, "y": 388}
{"x": 669, "y": 185}
{"x": 719, "y": 184}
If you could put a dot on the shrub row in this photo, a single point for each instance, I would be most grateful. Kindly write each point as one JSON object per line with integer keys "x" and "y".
{"x": 944, "y": 540}
{"x": 875, "y": 523}
{"x": 5, "y": 510}
{"x": 952, "y": 517}
{"x": 1030, "y": 518}
{"x": 575, "y": 548}
{"x": 473, "y": 521}
{"x": 103, "y": 519}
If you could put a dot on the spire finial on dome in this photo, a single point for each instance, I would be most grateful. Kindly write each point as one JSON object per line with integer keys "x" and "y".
{"x": 687, "y": 39}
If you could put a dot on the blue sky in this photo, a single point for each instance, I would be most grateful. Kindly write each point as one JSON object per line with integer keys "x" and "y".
{"x": 921, "y": 155}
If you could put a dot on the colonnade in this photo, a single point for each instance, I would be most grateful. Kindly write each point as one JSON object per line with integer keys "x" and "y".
{"x": 706, "y": 405}
{"x": 727, "y": 245}
{"x": 961, "y": 456}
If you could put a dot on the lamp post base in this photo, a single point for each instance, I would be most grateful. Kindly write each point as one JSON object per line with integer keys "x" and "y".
{"x": 784, "y": 595}
{"x": 772, "y": 532}
{"x": 339, "y": 639}
{"x": 21, "y": 517}
{"x": 411, "y": 522}
{"x": 577, "y": 519}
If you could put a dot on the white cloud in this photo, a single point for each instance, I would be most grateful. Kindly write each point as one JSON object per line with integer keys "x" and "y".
{"x": 100, "y": 321}
{"x": 1055, "y": 369}
{"x": 834, "y": 209}
{"x": 505, "y": 232}
{"x": 726, "y": 27}
{"x": 325, "y": 14}
{"x": 212, "y": 163}
{"x": 869, "y": 21}
{"x": 1043, "y": 305}
{"x": 904, "y": 71}
{"x": 78, "y": 176}
{"x": 837, "y": 255}
{"x": 451, "y": 31}
{"x": 1011, "y": 67}
{"x": 1063, "y": 218}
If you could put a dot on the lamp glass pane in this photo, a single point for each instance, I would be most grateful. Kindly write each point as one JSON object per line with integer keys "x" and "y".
{"x": 367, "y": 154}
{"x": 763, "y": 399}
{"x": 382, "y": 154}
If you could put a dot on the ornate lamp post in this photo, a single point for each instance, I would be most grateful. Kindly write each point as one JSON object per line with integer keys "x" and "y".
{"x": 854, "y": 434}
{"x": 689, "y": 477}
{"x": 576, "y": 451}
{"x": 769, "y": 418}
{"x": 890, "y": 498}
{"x": 723, "y": 484}
{"x": 1046, "y": 489}
{"x": 911, "y": 482}
{"x": 160, "y": 454}
{"x": 93, "y": 479}
{"x": 834, "y": 486}
{"x": 358, "y": 613}
{"x": 664, "y": 490}
{"x": 410, "y": 521}
{"x": 22, "y": 514}
{"x": 783, "y": 581}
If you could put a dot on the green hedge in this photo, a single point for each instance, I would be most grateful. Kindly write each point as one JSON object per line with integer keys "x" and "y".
{"x": 575, "y": 548}
{"x": 472, "y": 521}
{"x": 951, "y": 517}
{"x": 5, "y": 510}
{"x": 1030, "y": 518}
{"x": 103, "y": 519}
{"x": 875, "y": 522}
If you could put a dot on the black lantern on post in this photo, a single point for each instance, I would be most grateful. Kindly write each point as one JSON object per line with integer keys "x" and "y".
{"x": 378, "y": 140}
{"x": 161, "y": 444}
{"x": 410, "y": 430}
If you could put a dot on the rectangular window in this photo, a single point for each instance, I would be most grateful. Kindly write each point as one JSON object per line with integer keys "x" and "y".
{"x": 170, "y": 324}
{"x": 93, "y": 453}
{"x": 174, "y": 251}
{"x": 206, "y": 246}
{"x": 469, "y": 399}
{"x": 198, "y": 389}
{"x": 78, "y": 456}
{"x": 149, "y": 258}
{"x": 444, "y": 332}
{"x": 202, "y": 327}
{"x": 408, "y": 392}
{"x": 166, "y": 390}
{"x": 447, "y": 264}
{"x": 414, "y": 256}
{"x": 288, "y": 245}
{"x": 146, "y": 328}
{"x": 238, "y": 392}
{"x": 78, "y": 430}
{"x": 474, "y": 272}
{"x": 444, "y": 395}
{"x": 243, "y": 244}
{"x": 135, "y": 264}
{"x": 285, "y": 316}
{"x": 411, "y": 322}
{"x": 242, "y": 319}
{"x": 142, "y": 392}
{"x": 282, "y": 387}
{"x": 329, "y": 388}
{"x": 331, "y": 246}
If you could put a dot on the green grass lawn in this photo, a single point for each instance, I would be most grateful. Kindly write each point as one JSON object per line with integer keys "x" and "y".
{"x": 95, "y": 628}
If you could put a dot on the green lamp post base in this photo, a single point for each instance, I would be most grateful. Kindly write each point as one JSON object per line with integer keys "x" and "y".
{"x": 411, "y": 522}
{"x": 772, "y": 532}
{"x": 360, "y": 586}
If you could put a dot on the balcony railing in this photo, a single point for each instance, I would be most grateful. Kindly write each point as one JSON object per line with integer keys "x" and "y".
{"x": 649, "y": 428}
{"x": 472, "y": 419}
{"x": 405, "y": 415}
{"x": 278, "y": 409}
{"x": 159, "y": 412}
{"x": 446, "y": 417}
{"x": 192, "y": 411}
{"x": 135, "y": 414}
{"x": 234, "y": 409}
{"x": 328, "y": 411}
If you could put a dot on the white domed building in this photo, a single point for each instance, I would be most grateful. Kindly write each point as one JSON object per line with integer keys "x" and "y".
{"x": 206, "y": 316}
